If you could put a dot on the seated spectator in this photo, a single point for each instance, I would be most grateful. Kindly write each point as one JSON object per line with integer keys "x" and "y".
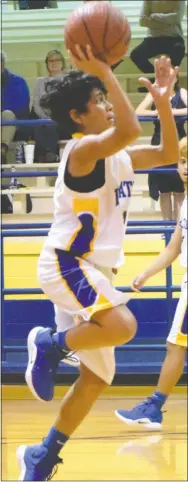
{"x": 166, "y": 185}
{"x": 14, "y": 105}
{"x": 47, "y": 136}
{"x": 165, "y": 35}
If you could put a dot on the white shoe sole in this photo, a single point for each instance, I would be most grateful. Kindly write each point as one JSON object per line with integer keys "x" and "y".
{"x": 20, "y": 457}
{"x": 145, "y": 422}
{"x": 32, "y": 354}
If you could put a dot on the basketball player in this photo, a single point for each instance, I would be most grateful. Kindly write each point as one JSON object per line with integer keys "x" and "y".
{"x": 149, "y": 412}
{"x": 85, "y": 242}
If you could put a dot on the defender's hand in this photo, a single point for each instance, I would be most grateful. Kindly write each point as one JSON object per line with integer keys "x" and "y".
{"x": 165, "y": 76}
{"x": 138, "y": 282}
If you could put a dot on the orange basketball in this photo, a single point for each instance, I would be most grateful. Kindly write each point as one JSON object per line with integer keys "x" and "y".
{"x": 101, "y": 25}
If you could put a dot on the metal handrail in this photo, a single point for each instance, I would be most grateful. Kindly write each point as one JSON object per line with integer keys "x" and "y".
{"x": 10, "y": 231}
{"x": 15, "y": 173}
{"x": 32, "y": 122}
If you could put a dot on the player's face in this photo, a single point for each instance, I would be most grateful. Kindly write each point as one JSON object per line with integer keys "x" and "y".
{"x": 183, "y": 169}
{"x": 99, "y": 115}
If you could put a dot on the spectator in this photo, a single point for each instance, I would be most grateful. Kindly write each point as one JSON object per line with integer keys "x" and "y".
{"x": 15, "y": 105}
{"x": 165, "y": 35}
{"x": 47, "y": 137}
{"x": 166, "y": 184}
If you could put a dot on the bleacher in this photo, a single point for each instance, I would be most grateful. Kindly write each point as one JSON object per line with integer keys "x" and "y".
{"x": 27, "y": 36}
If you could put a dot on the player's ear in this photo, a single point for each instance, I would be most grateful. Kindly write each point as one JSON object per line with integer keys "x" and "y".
{"x": 76, "y": 117}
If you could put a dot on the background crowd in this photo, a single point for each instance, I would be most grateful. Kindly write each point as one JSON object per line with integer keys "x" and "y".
{"x": 165, "y": 36}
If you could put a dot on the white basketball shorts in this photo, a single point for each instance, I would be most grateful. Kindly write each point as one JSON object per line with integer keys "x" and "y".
{"x": 79, "y": 289}
{"x": 178, "y": 332}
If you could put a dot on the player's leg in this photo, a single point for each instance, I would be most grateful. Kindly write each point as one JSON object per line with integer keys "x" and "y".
{"x": 105, "y": 325}
{"x": 112, "y": 327}
{"x": 149, "y": 412}
{"x": 87, "y": 291}
{"x": 38, "y": 461}
{"x": 79, "y": 400}
{"x": 66, "y": 321}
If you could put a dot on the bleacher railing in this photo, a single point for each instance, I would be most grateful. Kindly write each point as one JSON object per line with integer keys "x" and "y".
{"x": 35, "y": 229}
{"x": 31, "y": 122}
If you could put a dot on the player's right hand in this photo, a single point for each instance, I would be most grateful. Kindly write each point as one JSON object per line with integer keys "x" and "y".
{"x": 138, "y": 282}
{"x": 87, "y": 62}
{"x": 165, "y": 76}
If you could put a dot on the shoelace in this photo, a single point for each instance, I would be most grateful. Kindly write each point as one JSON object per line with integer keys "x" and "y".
{"x": 71, "y": 357}
{"x": 145, "y": 404}
{"x": 60, "y": 352}
{"x": 55, "y": 469}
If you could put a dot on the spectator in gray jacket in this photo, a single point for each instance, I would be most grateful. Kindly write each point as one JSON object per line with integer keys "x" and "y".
{"x": 47, "y": 136}
{"x": 165, "y": 35}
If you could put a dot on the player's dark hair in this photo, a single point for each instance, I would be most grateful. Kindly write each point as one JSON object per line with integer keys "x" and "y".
{"x": 73, "y": 91}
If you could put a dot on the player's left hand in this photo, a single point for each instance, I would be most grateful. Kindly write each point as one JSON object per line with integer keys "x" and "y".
{"x": 138, "y": 282}
{"x": 165, "y": 76}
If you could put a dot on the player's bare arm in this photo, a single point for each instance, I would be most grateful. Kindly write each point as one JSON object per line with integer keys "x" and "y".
{"x": 168, "y": 152}
{"x": 125, "y": 129}
{"x": 162, "y": 261}
{"x": 144, "y": 108}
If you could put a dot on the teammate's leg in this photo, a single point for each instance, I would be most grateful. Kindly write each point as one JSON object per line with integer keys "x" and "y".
{"x": 149, "y": 412}
{"x": 172, "y": 369}
{"x": 38, "y": 461}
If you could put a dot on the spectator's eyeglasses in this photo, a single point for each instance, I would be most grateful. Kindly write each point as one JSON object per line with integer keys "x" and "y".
{"x": 54, "y": 60}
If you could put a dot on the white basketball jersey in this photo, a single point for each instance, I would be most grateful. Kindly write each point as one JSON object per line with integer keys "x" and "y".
{"x": 92, "y": 225}
{"x": 184, "y": 226}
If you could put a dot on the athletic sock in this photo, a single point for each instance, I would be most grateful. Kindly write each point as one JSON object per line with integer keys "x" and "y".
{"x": 55, "y": 441}
{"x": 159, "y": 398}
{"x": 59, "y": 338}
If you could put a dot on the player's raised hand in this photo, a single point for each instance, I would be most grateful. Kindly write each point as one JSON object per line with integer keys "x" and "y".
{"x": 138, "y": 282}
{"x": 87, "y": 62}
{"x": 165, "y": 76}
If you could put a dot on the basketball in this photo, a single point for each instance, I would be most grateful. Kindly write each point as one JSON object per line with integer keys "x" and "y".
{"x": 101, "y": 25}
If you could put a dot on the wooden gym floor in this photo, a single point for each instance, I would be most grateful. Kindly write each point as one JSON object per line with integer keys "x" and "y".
{"x": 102, "y": 448}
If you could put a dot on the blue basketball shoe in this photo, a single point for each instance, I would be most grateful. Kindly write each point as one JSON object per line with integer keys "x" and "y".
{"x": 44, "y": 356}
{"x": 148, "y": 414}
{"x": 36, "y": 463}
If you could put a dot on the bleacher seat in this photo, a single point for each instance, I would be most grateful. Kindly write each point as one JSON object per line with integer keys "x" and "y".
{"x": 27, "y": 36}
